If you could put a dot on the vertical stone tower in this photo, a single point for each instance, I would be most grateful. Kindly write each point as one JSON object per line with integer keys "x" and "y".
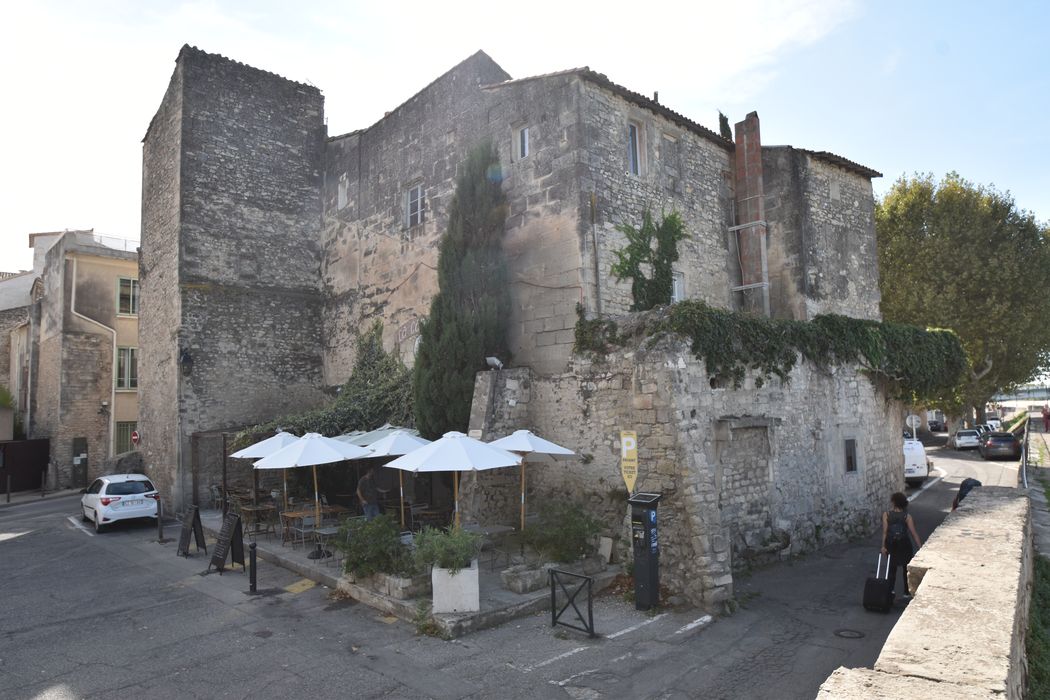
{"x": 230, "y": 261}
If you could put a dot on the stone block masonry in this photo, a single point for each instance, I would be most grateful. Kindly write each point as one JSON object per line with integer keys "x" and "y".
{"x": 747, "y": 475}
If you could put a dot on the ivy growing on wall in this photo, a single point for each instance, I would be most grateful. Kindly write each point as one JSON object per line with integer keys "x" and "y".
{"x": 921, "y": 363}
{"x": 640, "y": 252}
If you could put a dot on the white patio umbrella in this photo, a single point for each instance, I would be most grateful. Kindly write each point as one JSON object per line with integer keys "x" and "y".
{"x": 309, "y": 451}
{"x": 532, "y": 448}
{"x": 395, "y": 444}
{"x": 455, "y": 452}
{"x": 265, "y": 448}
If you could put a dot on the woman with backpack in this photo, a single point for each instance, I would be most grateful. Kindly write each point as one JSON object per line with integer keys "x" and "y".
{"x": 896, "y": 526}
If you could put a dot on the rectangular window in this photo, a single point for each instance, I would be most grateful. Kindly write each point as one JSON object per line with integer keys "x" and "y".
{"x": 521, "y": 143}
{"x": 635, "y": 152}
{"x": 414, "y": 206}
{"x": 124, "y": 431}
{"x": 677, "y": 287}
{"x": 851, "y": 456}
{"x": 127, "y": 368}
{"x": 128, "y": 296}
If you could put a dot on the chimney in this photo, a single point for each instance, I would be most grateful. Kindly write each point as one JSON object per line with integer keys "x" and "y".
{"x": 750, "y": 225}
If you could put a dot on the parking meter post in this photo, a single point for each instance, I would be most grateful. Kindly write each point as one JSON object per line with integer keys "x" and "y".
{"x": 646, "y": 547}
{"x": 251, "y": 567}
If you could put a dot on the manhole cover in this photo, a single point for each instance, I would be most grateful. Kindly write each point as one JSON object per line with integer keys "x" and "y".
{"x": 849, "y": 634}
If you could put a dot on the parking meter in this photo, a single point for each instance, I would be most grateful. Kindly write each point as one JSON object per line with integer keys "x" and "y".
{"x": 646, "y": 546}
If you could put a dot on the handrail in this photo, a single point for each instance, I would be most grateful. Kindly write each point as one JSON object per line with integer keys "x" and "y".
{"x": 1024, "y": 452}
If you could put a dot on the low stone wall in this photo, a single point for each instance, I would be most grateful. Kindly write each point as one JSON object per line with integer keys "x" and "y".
{"x": 963, "y": 635}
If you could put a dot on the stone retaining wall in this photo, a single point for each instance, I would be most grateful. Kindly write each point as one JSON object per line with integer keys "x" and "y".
{"x": 963, "y": 635}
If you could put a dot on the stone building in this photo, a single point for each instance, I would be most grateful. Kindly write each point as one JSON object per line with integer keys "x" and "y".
{"x": 266, "y": 245}
{"x": 72, "y": 357}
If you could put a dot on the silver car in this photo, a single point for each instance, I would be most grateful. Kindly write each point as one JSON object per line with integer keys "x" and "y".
{"x": 966, "y": 440}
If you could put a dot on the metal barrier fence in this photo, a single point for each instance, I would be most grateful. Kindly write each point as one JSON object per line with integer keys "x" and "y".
{"x": 1024, "y": 452}
{"x": 558, "y": 581}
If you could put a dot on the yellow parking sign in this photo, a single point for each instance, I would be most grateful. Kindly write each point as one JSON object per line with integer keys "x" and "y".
{"x": 629, "y": 458}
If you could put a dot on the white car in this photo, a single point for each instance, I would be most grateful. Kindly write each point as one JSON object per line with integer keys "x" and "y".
{"x": 916, "y": 464}
{"x": 966, "y": 440}
{"x": 995, "y": 424}
{"x": 119, "y": 497}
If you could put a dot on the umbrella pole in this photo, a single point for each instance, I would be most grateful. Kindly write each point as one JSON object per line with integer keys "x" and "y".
{"x": 317, "y": 502}
{"x": 455, "y": 495}
{"x": 522, "y": 494}
{"x": 401, "y": 483}
{"x": 255, "y": 488}
{"x": 284, "y": 475}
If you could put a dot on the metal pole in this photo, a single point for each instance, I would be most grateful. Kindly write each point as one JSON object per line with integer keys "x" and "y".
{"x": 43, "y": 477}
{"x": 251, "y": 569}
{"x": 160, "y": 520}
{"x": 225, "y": 497}
{"x": 8, "y": 488}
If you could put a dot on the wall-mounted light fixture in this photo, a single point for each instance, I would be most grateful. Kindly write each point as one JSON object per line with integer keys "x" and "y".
{"x": 103, "y": 407}
{"x": 186, "y": 363}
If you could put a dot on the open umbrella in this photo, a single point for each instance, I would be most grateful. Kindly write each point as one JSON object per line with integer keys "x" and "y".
{"x": 309, "y": 451}
{"x": 532, "y": 448}
{"x": 395, "y": 444}
{"x": 455, "y": 452}
{"x": 265, "y": 448}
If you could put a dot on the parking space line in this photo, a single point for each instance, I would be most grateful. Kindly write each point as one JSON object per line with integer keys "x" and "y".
{"x": 695, "y": 623}
{"x": 559, "y": 657}
{"x": 632, "y": 628}
{"x": 80, "y": 526}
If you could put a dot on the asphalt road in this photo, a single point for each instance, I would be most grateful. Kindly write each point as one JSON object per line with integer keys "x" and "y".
{"x": 120, "y": 615}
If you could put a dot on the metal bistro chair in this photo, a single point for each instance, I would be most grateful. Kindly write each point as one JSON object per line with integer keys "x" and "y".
{"x": 303, "y": 528}
{"x": 216, "y": 496}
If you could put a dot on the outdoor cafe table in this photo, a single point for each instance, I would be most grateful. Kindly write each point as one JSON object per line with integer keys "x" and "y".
{"x": 259, "y": 518}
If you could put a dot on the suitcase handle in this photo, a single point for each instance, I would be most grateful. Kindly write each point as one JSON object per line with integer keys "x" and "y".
{"x": 878, "y": 566}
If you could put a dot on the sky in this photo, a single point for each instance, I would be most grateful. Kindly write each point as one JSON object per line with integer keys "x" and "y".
{"x": 903, "y": 87}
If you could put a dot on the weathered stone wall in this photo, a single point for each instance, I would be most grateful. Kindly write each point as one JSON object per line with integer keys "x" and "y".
{"x": 822, "y": 249}
{"x": 250, "y": 151}
{"x": 747, "y": 475}
{"x": 681, "y": 171}
{"x": 160, "y": 301}
{"x": 9, "y": 320}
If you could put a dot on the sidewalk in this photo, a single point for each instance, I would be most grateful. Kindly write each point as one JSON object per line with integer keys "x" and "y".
{"x": 34, "y": 496}
{"x": 1038, "y": 479}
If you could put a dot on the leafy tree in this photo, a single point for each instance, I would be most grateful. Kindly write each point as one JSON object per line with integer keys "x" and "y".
{"x": 378, "y": 391}
{"x": 468, "y": 316}
{"x": 652, "y": 291}
{"x": 956, "y": 255}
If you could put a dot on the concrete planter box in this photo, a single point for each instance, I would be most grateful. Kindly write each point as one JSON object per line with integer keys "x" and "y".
{"x": 401, "y": 587}
{"x": 525, "y": 578}
{"x": 459, "y": 593}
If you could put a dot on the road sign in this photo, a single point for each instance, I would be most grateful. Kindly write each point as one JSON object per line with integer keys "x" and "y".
{"x": 629, "y": 458}
{"x": 913, "y": 421}
{"x": 134, "y": 437}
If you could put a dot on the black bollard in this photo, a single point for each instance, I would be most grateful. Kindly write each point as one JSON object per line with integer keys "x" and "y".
{"x": 160, "y": 521}
{"x": 8, "y": 488}
{"x": 43, "y": 476}
{"x": 251, "y": 568}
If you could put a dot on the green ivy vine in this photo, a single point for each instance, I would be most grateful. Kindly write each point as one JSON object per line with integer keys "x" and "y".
{"x": 649, "y": 292}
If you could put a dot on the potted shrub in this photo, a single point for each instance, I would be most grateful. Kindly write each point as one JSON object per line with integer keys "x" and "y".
{"x": 452, "y": 555}
{"x": 372, "y": 547}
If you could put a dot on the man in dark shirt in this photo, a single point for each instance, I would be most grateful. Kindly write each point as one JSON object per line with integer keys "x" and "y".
{"x": 368, "y": 494}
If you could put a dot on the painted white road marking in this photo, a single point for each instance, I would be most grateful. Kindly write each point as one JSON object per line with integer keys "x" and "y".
{"x": 928, "y": 484}
{"x": 79, "y": 525}
{"x": 559, "y": 657}
{"x": 622, "y": 632}
{"x": 574, "y": 677}
{"x": 695, "y": 623}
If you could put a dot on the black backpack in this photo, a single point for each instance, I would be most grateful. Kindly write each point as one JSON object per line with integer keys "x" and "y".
{"x": 897, "y": 532}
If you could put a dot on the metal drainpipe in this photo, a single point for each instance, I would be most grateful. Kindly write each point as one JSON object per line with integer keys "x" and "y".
{"x": 113, "y": 383}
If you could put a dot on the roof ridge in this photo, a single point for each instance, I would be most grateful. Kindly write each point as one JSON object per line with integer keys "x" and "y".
{"x": 187, "y": 48}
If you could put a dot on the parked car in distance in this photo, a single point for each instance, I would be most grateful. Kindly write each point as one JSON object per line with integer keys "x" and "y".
{"x": 966, "y": 439}
{"x": 936, "y": 426}
{"x": 994, "y": 424}
{"x": 997, "y": 444}
{"x": 118, "y": 497}
{"x": 916, "y": 464}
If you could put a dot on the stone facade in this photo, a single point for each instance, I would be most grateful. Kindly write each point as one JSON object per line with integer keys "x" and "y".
{"x": 232, "y": 172}
{"x": 746, "y": 475}
{"x": 10, "y": 319}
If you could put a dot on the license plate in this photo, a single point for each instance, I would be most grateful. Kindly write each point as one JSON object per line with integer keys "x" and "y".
{"x": 132, "y": 503}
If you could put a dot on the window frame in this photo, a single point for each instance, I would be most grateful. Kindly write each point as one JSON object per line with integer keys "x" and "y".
{"x": 635, "y": 148}
{"x": 129, "y": 379}
{"x": 850, "y": 448}
{"x": 522, "y": 147}
{"x": 421, "y": 201}
{"x": 677, "y": 280}
{"x": 122, "y": 436}
{"x": 135, "y": 295}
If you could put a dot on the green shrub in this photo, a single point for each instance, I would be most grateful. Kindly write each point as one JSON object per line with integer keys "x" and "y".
{"x": 451, "y": 549}
{"x": 373, "y": 547}
{"x": 1038, "y": 641}
{"x": 565, "y": 532}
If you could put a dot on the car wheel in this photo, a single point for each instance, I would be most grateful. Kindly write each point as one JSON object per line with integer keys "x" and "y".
{"x": 98, "y": 523}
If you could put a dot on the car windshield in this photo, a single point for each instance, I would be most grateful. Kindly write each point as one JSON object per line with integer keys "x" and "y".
{"x": 128, "y": 488}
{"x": 967, "y": 433}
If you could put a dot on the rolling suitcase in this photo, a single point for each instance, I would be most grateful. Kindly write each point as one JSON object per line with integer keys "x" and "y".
{"x": 878, "y": 591}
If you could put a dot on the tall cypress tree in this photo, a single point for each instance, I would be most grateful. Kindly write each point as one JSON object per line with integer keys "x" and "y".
{"x": 468, "y": 316}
